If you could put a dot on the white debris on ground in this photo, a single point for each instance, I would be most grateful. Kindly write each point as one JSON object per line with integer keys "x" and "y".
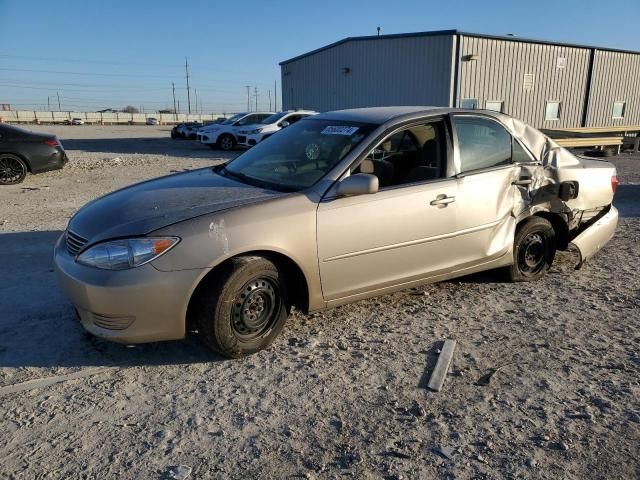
{"x": 339, "y": 393}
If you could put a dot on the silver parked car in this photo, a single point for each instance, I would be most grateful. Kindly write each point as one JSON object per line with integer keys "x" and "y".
{"x": 338, "y": 207}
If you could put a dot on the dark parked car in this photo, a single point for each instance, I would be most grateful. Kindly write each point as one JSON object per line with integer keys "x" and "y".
{"x": 22, "y": 151}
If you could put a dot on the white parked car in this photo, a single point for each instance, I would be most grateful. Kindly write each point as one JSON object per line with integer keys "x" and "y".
{"x": 225, "y": 135}
{"x": 152, "y": 121}
{"x": 254, "y": 134}
{"x": 77, "y": 121}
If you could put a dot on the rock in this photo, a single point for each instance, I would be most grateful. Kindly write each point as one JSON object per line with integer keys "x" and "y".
{"x": 531, "y": 462}
{"x": 418, "y": 411}
{"x": 180, "y": 472}
{"x": 563, "y": 446}
{"x": 342, "y": 346}
{"x": 446, "y": 452}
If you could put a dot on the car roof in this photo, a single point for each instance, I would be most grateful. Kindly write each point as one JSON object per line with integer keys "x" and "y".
{"x": 380, "y": 115}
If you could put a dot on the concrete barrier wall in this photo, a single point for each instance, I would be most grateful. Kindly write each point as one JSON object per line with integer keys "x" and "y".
{"x": 30, "y": 116}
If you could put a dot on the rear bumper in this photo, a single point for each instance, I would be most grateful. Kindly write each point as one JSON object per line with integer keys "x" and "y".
{"x": 596, "y": 236}
{"x": 54, "y": 161}
{"x": 130, "y": 306}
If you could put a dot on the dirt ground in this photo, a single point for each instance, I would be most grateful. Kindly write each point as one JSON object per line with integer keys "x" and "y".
{"x": 340, "y": 393}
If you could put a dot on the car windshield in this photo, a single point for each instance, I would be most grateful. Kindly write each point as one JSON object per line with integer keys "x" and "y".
{"x": 233, "y": 119}
{"x": 298, "y": 156}
{"x": 273, "y": 118}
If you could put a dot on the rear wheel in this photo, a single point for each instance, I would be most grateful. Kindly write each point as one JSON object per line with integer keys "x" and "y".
{"x": 12, "y": 169}
{"x": 226, "y": 142}
{"x": 533, "y": 251}
{"x": 244, "y": 308}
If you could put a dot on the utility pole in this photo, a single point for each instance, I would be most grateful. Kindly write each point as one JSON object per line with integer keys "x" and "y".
{"x": 275, "y": 95}
{"x": 48, "y": 103}
{"x": 59, "y": 107}
{"x": 178, "y": 106}
{"x": 173, "y": 87}
{"x": 248, "y": 97}
{"x": 195, "y": 95}
{"x": 269, "y": 91}
{"x": 186, "y": 69}
{"x": 255, "y": 89}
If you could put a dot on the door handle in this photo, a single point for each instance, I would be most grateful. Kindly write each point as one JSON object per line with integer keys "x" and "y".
{"x": 442, "y": 201}
{"x": 522, "y": 181}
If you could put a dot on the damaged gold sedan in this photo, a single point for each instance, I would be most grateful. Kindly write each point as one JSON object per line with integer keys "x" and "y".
{"x": 338, "y": 207}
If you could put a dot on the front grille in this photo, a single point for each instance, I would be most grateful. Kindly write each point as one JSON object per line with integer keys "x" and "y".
{"x": 75, "y": 242}
{"x": 242, "y": 139}
{"x": 112, "y": 323}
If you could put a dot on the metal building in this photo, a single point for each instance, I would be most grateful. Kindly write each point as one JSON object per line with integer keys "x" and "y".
{"x": 546, "y": 84}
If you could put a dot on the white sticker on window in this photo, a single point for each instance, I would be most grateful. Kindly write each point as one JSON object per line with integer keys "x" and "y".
{"x": 339, "y": 130}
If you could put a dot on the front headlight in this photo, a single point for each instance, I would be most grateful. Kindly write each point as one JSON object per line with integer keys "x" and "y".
{"x": 126, "y": 253}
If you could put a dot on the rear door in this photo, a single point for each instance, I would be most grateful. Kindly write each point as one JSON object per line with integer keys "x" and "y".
{"x": 486, "y": 198}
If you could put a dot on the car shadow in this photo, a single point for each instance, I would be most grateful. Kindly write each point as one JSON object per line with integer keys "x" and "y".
{"x": 627, "y": 200}
{"x": 147, "y": 145}
{"x": 38, "y": 326}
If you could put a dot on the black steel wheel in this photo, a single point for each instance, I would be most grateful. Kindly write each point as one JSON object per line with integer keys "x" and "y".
{"x": 242, "y": 307}
{"x": 254, "y": 309}
{"x": 12, "y": 169}
{"x": 533, "y": 251}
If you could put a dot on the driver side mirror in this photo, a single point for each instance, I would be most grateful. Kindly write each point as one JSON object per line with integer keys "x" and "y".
{"x": 358, "y": 184}
{"x": 284, "y": 124}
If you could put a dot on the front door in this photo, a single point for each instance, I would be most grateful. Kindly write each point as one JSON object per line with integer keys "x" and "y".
{"x": 402, "y": 233}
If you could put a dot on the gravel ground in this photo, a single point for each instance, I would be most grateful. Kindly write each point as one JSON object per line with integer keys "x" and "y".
{"x": 341, "y": 393}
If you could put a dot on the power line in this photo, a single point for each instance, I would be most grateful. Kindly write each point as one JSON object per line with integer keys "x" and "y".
{"x": 78, "y": 60}
{"x": 92, "y": 74}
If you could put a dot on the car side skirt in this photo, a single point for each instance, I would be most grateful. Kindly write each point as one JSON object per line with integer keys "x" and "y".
{"x": 502, "y": 259}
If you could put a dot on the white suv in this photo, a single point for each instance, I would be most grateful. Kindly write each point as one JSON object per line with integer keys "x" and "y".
{"x": 224, "y": 135}
{"x": 254, "y": 134}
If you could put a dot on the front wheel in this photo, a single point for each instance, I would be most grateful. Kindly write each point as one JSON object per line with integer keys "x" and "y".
{"x": 244, "y": 308}
{"x": 226, "y": 142}
{"x": 12, "y": 169}
{"x": 534, "y": 249}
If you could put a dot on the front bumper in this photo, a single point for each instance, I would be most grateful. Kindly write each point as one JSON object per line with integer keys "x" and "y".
{"x": 130, "y": 306}
{"x": 250, "y": 140}
{"x": 594, "y": 237}
{"x": 207, "y": 138}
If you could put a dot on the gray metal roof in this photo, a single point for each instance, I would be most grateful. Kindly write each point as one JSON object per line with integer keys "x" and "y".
{"x": 509, "y": 38}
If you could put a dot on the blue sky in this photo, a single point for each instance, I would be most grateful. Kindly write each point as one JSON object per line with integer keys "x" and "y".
{"x": 100, "y": 54}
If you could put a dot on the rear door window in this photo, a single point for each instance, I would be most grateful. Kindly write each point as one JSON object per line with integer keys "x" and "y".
{"x": 482, "y": 143}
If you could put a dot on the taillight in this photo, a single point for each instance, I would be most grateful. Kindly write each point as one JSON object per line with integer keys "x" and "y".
{"x": 614, "y": 183}
{"x": 52, "y": 143}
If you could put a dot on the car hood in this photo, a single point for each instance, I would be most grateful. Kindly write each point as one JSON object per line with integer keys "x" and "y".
{"x": 148, "y": 206}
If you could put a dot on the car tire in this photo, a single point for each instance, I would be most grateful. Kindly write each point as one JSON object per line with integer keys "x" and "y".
{"x": 244, "y": 308}
{"x": 534, "y": 249}
{"x": 13, "y": 169}
{"x": 226, "y": 142}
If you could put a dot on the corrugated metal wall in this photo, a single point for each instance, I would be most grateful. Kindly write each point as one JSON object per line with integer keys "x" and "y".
{"x": 616, "y": 78}
{"x": 498, "y": 75}
{"x": 392, "y": 71}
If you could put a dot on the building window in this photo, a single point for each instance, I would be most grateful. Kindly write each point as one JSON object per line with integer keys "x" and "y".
{"x": 618, "y": 109}
{"x": 552, "y": 112}
{"x": 469, "y": 103}
{"x": 528, "y": 81}
{"x": 494, "y": 105}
